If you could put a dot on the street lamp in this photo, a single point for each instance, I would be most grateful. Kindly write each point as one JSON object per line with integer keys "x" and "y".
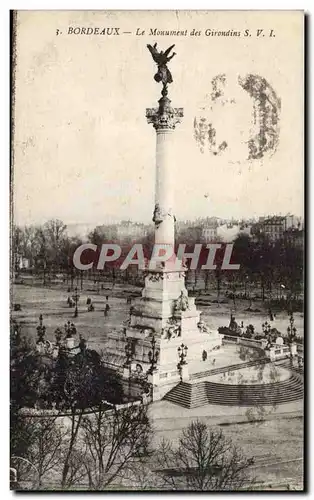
{"x": 76, "y": 299}
{"x": 58, "y": 336}
{"x": 153, "y": 356}
{"x": 182, "y": 353}
{"x": 41, "y": 330}
{"x": 70, "y": 329}
{"x": 292, "y": 332}
{"x": 266, "y": 328}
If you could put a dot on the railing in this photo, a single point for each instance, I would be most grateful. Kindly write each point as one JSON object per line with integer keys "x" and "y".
{"x": 173, "y": 373}
{"x": 243, "y": 341}
{"x": 54, "y": 413}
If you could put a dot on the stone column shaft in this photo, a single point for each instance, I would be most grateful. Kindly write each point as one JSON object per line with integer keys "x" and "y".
{"x": 164, "y": 231}
{"x": 164, "y": 120}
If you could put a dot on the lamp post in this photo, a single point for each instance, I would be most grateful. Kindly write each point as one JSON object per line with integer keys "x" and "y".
{"x": 153, "y": 356}
{"x": 76, "y": 298}
{"x": 266, "y": 331}
{"x": 41, "y": 330}
{"x": 182, "y": 352}
{"x": 70, "y": 329}
{"x": 266, "y": 328}
{"x": 58, "y": 336}
{"x": 292, "y": 333}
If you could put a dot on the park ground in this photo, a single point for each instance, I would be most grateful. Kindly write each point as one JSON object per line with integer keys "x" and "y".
{"x": 94, "y": 326}
{"x": 276, "y": 441}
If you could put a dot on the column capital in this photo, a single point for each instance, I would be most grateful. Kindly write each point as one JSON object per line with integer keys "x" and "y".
{"x": 164, "y": 117}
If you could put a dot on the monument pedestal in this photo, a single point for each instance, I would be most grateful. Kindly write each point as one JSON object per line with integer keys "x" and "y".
{"x": 161, "y": 322}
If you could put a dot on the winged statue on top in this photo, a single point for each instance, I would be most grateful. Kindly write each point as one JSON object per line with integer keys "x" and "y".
{"x": 161, "y": 59}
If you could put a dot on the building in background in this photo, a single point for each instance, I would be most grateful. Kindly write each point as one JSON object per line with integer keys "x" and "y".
{"x": 209, "y": 231}
{"x": 276, "y": 227}
{"x": 129, "y": 229}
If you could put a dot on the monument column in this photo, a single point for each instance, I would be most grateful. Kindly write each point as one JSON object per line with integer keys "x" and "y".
{"x": 164, "y": 119}
{"x": 164, "y": 320}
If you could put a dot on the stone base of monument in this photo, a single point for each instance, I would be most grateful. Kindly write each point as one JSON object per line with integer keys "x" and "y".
{"x": 163, "y": 323}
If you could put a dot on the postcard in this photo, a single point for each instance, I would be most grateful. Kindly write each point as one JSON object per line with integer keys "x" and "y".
{"x": 157, "y": 251}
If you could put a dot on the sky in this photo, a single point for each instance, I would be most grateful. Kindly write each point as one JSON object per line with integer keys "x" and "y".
{"x": 83, "y": 150}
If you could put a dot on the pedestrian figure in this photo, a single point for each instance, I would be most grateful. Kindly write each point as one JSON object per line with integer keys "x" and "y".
{"x": 107, "y": 298}
{"x": 82, "y": 344}
{"x": 106, "y": 310}
{"x": 88, "y": 301}
{"x": 71, "y": 302}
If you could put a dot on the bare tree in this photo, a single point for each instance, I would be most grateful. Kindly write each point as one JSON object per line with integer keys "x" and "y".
{"x": 46, "y": 443}
{"x": 69, "y": 463}
{"x": 80, "y": 382}
{"x": 117, "y": 441}
{"x": 17, "y": 239}
{"x": 218, "y": 279}
{"x": 204, "y": 461}
{"x": 55, "y": 233}
{"x": 76, "y": 473}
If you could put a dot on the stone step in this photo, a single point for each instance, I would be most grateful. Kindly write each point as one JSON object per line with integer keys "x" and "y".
{"x": 242, "y": 390}
{"x": 249, "y": 401}
{"x": 224, "y": 369}
{"x": 205, "y": 392}
{"x": 180, "y": 395}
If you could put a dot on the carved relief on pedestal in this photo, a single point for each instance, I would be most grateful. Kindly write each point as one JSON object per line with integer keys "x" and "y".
{"x": 182, "y": 303}
{"x": 203, "y": 328}
{"x": 172, "y": 329}
{"x": 155, "y": 277}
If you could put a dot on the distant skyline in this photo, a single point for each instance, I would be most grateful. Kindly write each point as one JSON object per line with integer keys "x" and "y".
{"x": 114, "y": 221}
{"x": 84, "y": 153}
